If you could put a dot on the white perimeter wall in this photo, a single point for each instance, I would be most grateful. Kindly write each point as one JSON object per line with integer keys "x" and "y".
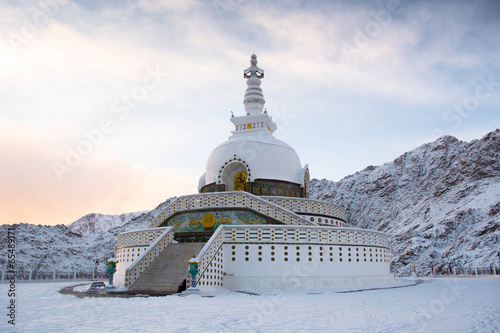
{"x": 275, "y": 266}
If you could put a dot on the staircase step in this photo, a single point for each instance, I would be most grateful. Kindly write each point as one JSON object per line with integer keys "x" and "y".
{"x": 169, "y": 269}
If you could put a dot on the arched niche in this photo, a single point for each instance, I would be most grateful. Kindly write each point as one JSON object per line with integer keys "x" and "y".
{"x": 235, "y": 173}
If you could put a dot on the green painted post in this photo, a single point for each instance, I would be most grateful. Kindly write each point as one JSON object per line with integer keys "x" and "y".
{"x": 193, "y": 270}
{"x": 111, "y": 270}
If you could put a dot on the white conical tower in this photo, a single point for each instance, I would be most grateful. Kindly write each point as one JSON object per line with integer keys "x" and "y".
{"x": 256, "y": 118}
{"x": 254, "y": 99}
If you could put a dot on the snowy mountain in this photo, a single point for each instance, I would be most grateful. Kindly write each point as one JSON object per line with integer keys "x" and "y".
{"x": 100, "y": 223}
{"x": 46, "y": 248}
{"x": 72, "y": 247}
{"x": 440, "y": 204}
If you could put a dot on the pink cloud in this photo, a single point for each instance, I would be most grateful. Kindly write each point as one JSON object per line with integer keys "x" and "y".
{"x": 31, "y": 192}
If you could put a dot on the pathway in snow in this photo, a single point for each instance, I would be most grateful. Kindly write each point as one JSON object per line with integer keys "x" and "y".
{"x": 443, "y": 305}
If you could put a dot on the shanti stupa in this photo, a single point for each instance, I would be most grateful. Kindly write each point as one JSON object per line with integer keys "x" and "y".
{"x": 252, "y": 225}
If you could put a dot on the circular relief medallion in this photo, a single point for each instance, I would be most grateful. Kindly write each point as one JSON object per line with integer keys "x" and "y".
{"x": 208, "y": 220}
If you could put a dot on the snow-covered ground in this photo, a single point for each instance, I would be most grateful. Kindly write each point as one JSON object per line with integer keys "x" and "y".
{"x": 435, "y": 305}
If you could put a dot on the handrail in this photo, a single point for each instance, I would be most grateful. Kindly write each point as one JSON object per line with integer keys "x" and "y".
{"x": 210, "y": 243}
{"x": 142, "y": 261}
{"x": 209, "y": 262}
{"x": 196, "y": 201}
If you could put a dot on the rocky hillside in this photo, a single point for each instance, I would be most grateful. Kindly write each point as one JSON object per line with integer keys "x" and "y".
{"x": 100, "y": 223}
{"x": 72, "y": 247}
{"x": 440, "y": 203}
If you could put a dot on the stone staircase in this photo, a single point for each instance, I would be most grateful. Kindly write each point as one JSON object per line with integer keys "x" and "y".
{"x": 166, "y": 273}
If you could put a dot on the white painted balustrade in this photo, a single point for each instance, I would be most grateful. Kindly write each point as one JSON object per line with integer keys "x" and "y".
{"x": 281, "y": 208}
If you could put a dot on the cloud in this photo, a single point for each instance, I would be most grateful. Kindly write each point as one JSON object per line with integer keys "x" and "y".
{"x": 155, "y": 6}
{"x": 369, "y": 51}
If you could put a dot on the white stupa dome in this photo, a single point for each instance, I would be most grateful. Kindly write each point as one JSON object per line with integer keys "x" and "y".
{"x": 265, "y": 157}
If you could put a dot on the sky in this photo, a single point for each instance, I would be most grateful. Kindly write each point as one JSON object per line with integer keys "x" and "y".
{"x": 114, "y": 106}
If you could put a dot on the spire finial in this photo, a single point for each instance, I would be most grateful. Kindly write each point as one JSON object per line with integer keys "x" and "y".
{"x": 253, "y": 59}
{"x": 254, "y": 98}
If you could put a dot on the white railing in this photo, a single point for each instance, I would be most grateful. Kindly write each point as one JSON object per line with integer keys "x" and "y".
{"x": 310, "y": 206}
{"x": 304, "y": 234}
{"x": 142, "y": 237}
{"x": 236, "y": 199}
{"x": 133, "y": 272}
{"x": 210, "y": 254}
